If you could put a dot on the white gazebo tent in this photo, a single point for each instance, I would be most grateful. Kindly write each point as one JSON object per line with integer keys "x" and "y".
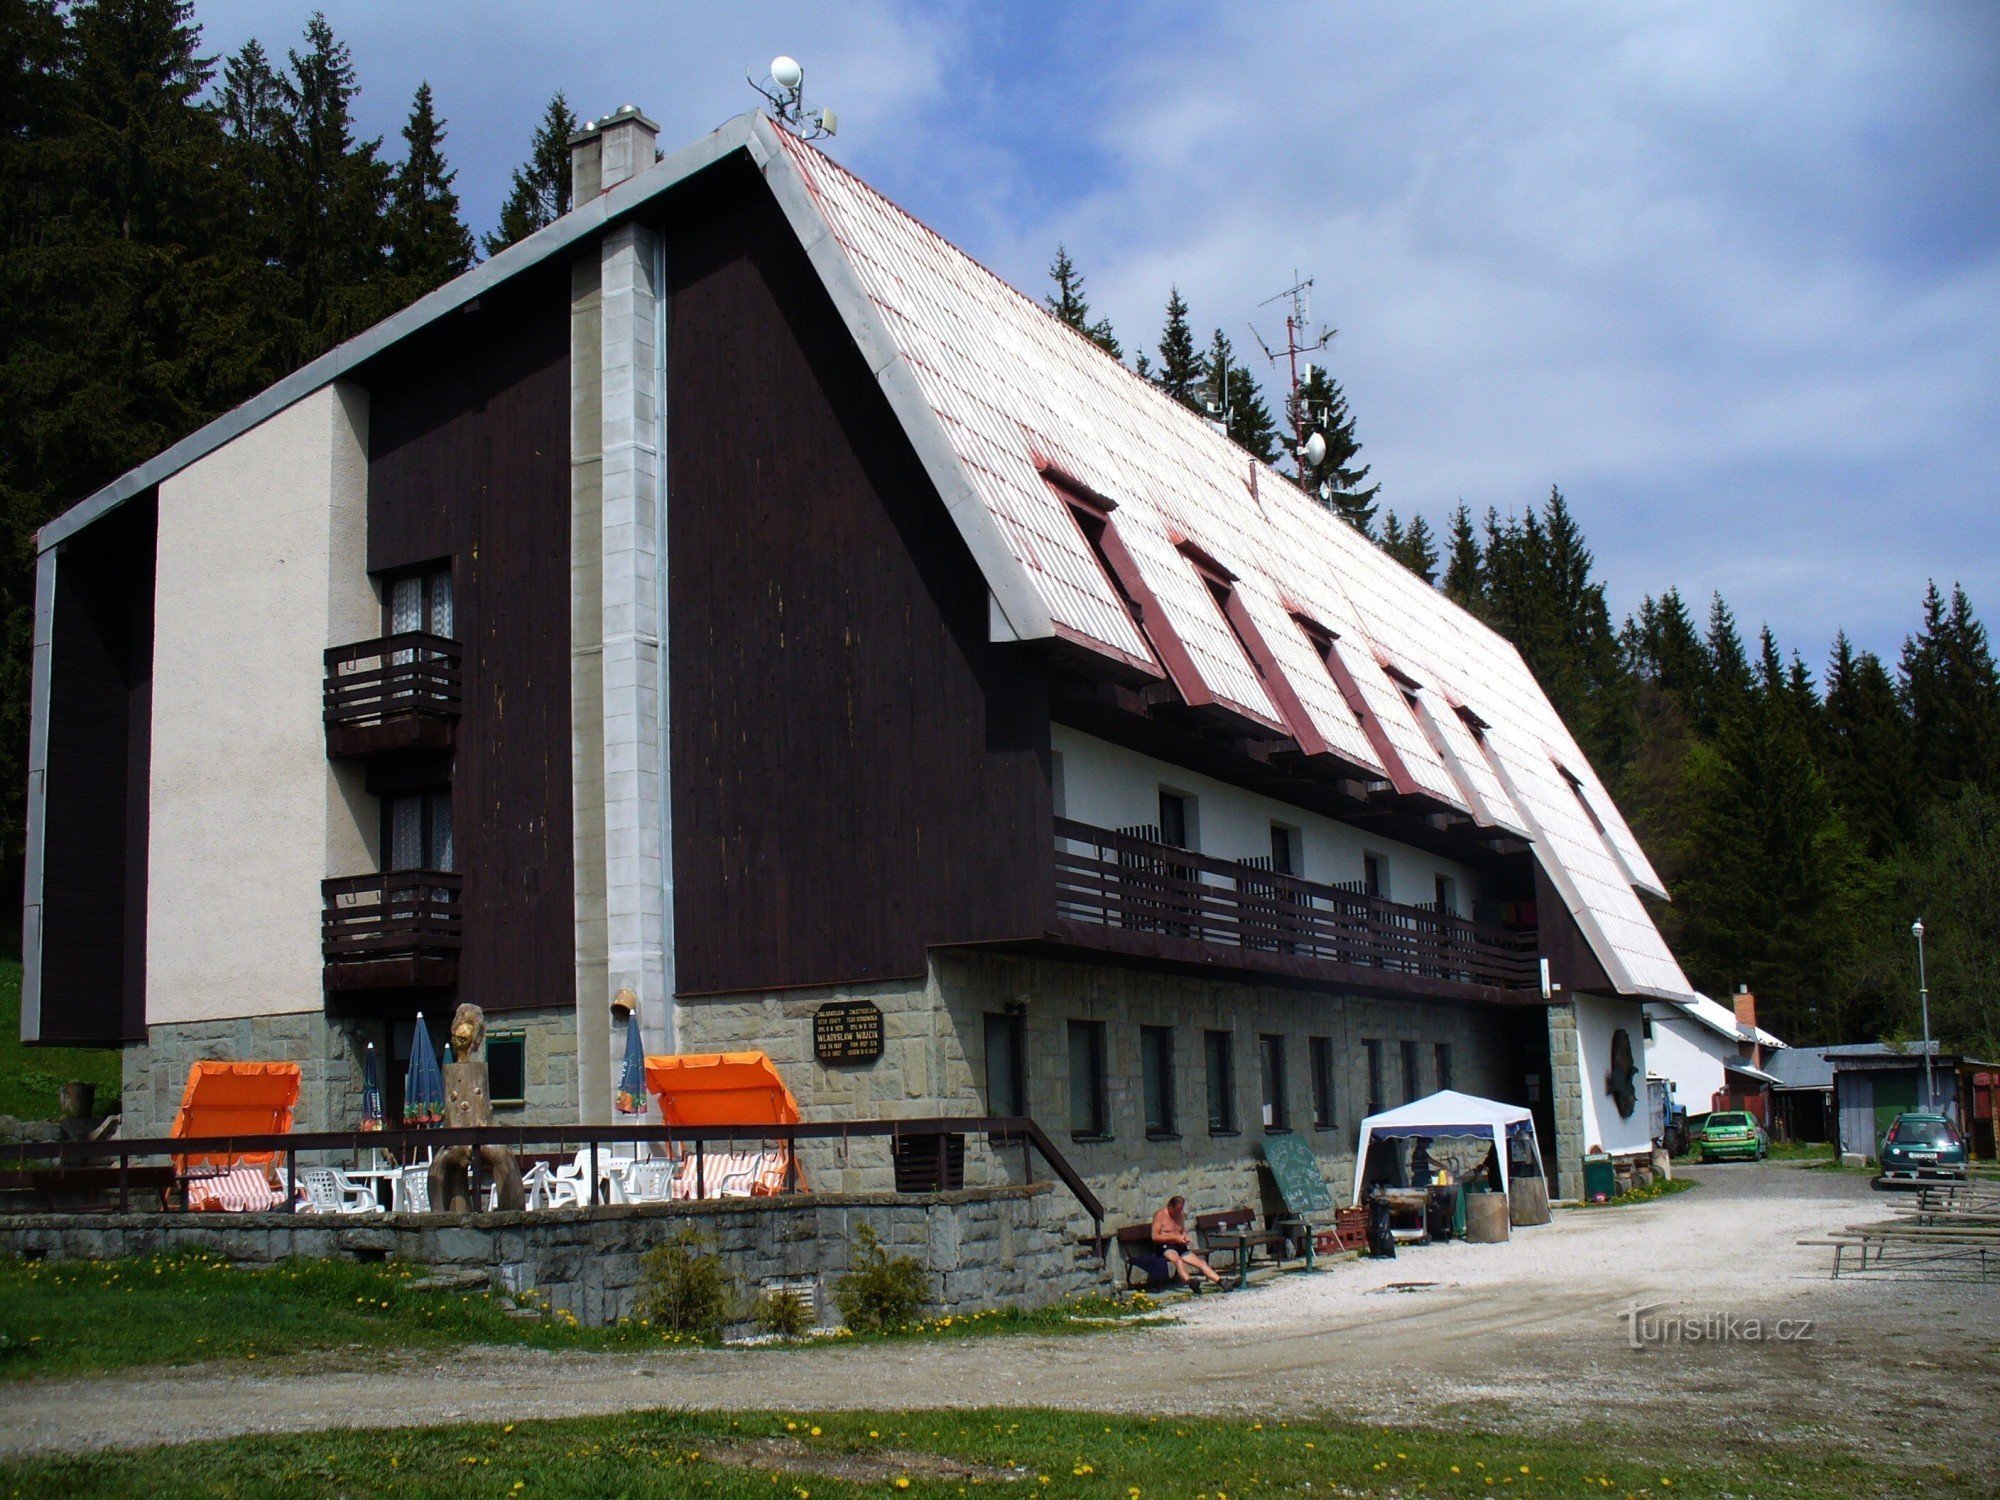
{"x": 1447, "y": 1113}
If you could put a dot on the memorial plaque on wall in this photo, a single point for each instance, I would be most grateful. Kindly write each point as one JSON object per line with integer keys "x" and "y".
{"x": 847, "y": 1031}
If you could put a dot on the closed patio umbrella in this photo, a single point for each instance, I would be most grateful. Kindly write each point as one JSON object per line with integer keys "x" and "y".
{"x": 423, "y": 1085}
{"x": 632, "y": 1096}
{"x": 371, "y": 1091}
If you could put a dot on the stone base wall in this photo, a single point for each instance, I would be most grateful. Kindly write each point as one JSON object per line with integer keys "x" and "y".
{"x": 934, "y": 1063}
{"x": 1002, "y": 1247}
{"x": 329, "y": 1053}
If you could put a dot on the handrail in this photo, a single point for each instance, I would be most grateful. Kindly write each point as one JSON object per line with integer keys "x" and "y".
{"x": 1121, "y": 880}
{"x": 411, "y": 672}
{"x": 17, "y": 1154}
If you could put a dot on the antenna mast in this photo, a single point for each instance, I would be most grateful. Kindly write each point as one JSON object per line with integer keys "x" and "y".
{"x": 1298, "y": 340}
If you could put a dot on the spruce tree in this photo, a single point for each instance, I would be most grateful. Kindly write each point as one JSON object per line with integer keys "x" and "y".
{"x": 428, "y": 242}
{"x": 540, "y": 193}
{"x": 1729, "y": 670}
{"x": 1951, "y": 694}
{"x": 1867, "y": 756}
{"x": 1230, "y": 392}
{"x": 1182, "y": 372}
{"x": 1414, "y": 547}
{"x": 331, "y": 189}
{"x": 1340, "y": 483}
{"x": 1070, "y": 306}
{"x": 1465, "y": 564}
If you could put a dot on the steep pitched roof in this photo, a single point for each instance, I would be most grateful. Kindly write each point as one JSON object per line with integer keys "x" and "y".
{"x": 1021, "y": 398}
{"x": 1006, "y": 407}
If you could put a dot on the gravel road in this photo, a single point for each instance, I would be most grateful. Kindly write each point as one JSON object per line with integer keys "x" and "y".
{"x": 1522, "y": 1336}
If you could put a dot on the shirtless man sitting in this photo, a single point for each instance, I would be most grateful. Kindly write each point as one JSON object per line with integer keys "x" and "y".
{"x": 1171, "y": 1237}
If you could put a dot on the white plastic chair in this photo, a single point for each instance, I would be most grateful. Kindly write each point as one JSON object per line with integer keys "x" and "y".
{"x": 559, "y": 1187}
{"x": 328, "y": 1191}
{"x": 413, "y": 1190}
{"x": 649, "y": 1181}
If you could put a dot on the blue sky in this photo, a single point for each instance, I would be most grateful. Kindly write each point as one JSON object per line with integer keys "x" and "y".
{"x": 1730, "y": 275}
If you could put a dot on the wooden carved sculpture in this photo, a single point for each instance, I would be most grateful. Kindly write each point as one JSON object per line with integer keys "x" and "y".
{"x": 469, "y": 1102}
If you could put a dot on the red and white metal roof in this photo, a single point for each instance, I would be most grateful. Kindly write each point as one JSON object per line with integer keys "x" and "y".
{"x": 1018, "y": 397}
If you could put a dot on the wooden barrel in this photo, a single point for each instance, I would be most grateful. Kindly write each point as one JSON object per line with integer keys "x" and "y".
{"x": 1485, "y": 1218}
{"x": 1528, "y": 1200}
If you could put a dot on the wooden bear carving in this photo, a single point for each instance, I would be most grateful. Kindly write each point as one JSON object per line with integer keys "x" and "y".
{"x": 469, "y": 1102}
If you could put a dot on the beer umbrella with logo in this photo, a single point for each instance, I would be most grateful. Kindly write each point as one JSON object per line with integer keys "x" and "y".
{"x": 632, "y": 1096}
{"x": 371, "y": 1091}
{"x": 423, "y": 1085}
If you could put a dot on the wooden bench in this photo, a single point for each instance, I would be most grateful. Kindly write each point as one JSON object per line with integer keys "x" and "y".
{"x": 1234, "y": 1233}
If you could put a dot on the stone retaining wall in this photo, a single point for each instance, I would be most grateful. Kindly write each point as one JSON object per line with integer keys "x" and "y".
{"x": 987, "y": 1248}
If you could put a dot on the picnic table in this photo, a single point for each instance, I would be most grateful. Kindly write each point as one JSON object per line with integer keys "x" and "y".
{"x": 1234, "y": 1233}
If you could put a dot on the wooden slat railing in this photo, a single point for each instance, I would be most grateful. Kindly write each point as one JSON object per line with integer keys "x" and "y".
{"x": 412, "y": 673}
{"x": 396, "y": 913}
{"x": 1119, "y": 881}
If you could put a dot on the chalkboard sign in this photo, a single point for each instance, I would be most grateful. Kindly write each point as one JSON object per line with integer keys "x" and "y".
{"x": 1295, "y": 1170}
{"x": 847, "y": 1031}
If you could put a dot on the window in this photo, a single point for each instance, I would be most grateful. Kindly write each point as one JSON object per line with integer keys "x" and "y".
{"x": 1006, "y": 1076}
{"x": 1286, "y": 857}
{"x": 1319, "y": 1057}
{"x": 1271, "y": 1071}
{"x": 1374, "y": 875}
{"x": 507, "y": 1067}
{"x": 1412, "y": 1078}
{"x": 1375, "y": 1099}
{"x": 1447, "y": 895}
{"x": 1058, "y": 792}
{"x": 1177, "y": 825}
{"x": 1219, "y": 1049}
{"x": 419, "y": 602}
{"x": 1441, "y": 1053}
{"x": 416, "y": 832}
{"x": 1646, "y": 1027}
{"x": 1156, "y": 1077}
{"x": 1086, "y": 1080}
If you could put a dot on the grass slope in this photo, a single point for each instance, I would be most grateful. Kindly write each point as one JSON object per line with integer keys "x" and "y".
{"x": 75, "y": 1317}
{"x": 931, "y": 1455}
{"x": 30, "y": 1076}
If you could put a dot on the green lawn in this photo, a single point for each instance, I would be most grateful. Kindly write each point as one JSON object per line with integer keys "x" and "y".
{"x": 927, "y": 1456}
{"x": 30, "y": 1076}
{"x": 73, "y": 1317}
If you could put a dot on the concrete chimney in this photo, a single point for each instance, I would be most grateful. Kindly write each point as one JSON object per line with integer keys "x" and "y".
{"x": 1746, "y": 1006}
{"x": 607, "y": 152}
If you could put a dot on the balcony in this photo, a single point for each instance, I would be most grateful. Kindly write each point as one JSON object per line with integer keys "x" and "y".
{"x": 1126, "y": 893}
{"x": 394, "y": 694}
{"x": 390, "y": 931}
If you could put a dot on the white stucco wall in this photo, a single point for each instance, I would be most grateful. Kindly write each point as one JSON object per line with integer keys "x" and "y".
{"x": 1690, "y": 1054}
{"x": 262, "y": 565}
{"x": 1596, "y": 1019}
{"x": 1111, "y": 787}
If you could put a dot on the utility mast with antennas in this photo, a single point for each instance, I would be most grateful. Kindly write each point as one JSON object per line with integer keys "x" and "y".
{"x": 785, "y": 89}
{"x": 1308, "y": 447}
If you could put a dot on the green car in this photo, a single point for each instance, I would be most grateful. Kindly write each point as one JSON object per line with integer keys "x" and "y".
{"x": 1922, "y": 1147}
{"x": 1732, "y": 1135}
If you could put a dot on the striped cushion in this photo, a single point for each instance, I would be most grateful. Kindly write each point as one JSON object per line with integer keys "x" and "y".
{"x": 238, "y": 1190}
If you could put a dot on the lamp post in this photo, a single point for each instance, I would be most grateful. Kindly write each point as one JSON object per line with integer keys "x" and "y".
{"x": 1924, "y": 1000}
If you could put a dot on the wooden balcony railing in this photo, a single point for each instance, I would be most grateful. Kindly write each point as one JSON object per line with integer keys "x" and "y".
{"x": 1134, "y": 894}
{"x": 395, "y": 929}
{"x": 399, "y": 692}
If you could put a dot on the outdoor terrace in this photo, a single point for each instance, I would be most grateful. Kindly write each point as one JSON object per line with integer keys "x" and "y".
{"x": 1125, "y": 893}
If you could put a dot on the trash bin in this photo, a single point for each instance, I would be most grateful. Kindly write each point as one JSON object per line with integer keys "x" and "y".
{"x": 1600, "y": 1179}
